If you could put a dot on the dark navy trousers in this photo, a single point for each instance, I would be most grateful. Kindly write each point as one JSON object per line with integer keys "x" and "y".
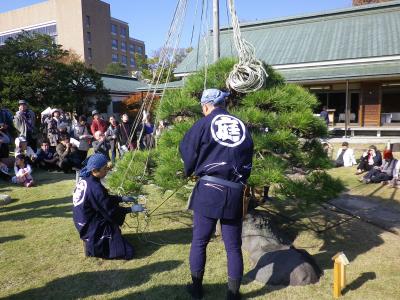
{"x": 203, "y": 228}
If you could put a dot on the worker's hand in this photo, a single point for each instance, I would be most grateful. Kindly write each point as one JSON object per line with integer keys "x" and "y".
{"x": 136, "y": 208}
{"x": 129, "y": 199}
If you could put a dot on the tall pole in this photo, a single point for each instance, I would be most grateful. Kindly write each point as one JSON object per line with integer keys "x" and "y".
{"x": 346, "y": 112}
{"x": 216, "y": 30}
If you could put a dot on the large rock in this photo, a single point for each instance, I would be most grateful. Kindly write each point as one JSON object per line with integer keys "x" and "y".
{"x": 276, "y": 262}
{"x": 4, "y": 199}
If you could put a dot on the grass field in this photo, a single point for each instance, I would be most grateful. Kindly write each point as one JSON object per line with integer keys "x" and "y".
{"x": 41, "y": 255}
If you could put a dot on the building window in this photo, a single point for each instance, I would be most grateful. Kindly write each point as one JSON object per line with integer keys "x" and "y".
{"x": 123, "y": 31}
{"x": 89, "y": 37}
{"x": 139, "y": 49}
{"x": 50, "y": 30}
{"x": 114, "y": 29}
{"x": 124, "y": 59}
{"x": 114, "y": 57}
{"x": 132, "y": 61}
{"x": 87, "y": 21}
{"x": 115, "y": 44}
{"x": 123, "y": 46}
{"x": 90, "y": 53}
{"x": 131, "y": 48}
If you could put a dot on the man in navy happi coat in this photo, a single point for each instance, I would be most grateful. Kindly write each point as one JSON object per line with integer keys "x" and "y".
{"x": 98, "y": 216}
{"x": 219, "y": 150}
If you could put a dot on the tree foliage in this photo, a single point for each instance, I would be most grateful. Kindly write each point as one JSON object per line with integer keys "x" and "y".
{"x": 40, "y": 71}
{"x": 116, "y": 69}
{"x": 285, "y": 133}
{"x": 161, "y": 64}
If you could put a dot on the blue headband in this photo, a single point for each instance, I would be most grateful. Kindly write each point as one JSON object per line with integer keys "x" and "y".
{"x": 213, "y": 96}
{"x": 93, "y": 162}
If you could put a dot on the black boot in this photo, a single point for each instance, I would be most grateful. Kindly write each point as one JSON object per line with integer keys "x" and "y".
{"x": 195, "y": 289}
{"x": 266, "y": 197}
{"x": 233, "y": 289}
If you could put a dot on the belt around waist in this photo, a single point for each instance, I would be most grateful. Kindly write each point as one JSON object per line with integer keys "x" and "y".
{"x": 224, "y": 182}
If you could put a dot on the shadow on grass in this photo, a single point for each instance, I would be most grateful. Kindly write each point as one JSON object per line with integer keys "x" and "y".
{"x": 10, "y": 238}
{"x": 38, "y": 209}
{"x": 178, "y": 292}
{"x": 353, "y": 237}
{"x": 366, "y": 276}
{"x": 147, "y": 243}
{"x": 88, "y": 284}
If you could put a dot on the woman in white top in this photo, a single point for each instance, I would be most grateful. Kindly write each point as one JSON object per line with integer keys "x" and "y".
{"x": 345, "y": 156}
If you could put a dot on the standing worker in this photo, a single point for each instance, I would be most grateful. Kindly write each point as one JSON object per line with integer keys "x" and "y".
{"x": 98, "y": 216}
{"x": 219, "y": 150}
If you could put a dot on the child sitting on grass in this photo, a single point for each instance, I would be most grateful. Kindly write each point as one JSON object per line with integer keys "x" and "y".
{"x": 22, "y": 172}
{"x": 22, "y": 148}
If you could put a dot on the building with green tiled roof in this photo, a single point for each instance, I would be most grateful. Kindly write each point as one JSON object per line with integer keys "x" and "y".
{"x": 351, "y": 54}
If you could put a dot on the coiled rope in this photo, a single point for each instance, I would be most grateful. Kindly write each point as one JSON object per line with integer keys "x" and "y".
{"x": 249, "y": 74}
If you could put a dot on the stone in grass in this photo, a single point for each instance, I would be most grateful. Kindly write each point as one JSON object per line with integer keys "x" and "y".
{"x": 4, "y": 199}
{"x": 275, "y": 260}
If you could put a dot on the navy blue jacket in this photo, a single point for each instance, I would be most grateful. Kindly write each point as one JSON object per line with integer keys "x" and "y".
{"x": 97, "y": 217}
{"x": 218, "y": 145}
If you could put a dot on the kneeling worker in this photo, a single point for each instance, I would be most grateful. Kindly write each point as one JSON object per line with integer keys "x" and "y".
{"x": 98, "y": 216}
{"x": 219, "y": 150}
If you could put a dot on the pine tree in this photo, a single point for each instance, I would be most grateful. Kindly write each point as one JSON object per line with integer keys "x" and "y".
{"x": 285, "y": 133}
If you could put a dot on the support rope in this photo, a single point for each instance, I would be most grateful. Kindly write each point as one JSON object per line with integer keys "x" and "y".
{"x": 249, "y": 74}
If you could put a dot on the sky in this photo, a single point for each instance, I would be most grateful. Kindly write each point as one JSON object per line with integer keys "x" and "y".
{"x": 149, "y": 20}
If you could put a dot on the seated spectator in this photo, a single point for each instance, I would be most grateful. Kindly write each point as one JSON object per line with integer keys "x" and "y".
{"x": 63, "y": 129}
{"x": 46, "y": 157}
{"x": 395, "y": 181}
{"x": 384, "y": 172}
{"x": 22, "y": 171}
{"x": 369, "y": 159}
{"x": 4, "y": 140}
{"x": 112, "y": 138}
{"x": 81, "y": 133}
{"x": 345, "y": 156}
{"x": 68, "y": 155}
{"x": 101, "y": 145}
{"x": 4, "y": 174}
{"x": 21, "y": 147}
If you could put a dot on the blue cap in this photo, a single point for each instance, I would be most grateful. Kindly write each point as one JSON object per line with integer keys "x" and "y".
{"x": 96, "y": 161}
{"x": 213, "y": 96}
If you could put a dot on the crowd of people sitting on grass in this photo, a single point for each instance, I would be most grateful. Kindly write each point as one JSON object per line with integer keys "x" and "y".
{"x": 372, "y": 166}
{"x": 61, "y": 141}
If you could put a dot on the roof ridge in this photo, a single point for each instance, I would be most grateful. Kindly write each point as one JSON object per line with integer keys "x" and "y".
{"x": 337, "y": 12}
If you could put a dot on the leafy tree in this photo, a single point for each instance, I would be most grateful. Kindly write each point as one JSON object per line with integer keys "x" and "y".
{"x": 285, "y": 133}
{"x": 116, "y": 69}
{"x": 161, "y": 63}
{"x": 34, "y": 68}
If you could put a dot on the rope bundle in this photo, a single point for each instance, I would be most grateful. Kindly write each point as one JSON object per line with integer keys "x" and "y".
{"x": 249, "y": 74}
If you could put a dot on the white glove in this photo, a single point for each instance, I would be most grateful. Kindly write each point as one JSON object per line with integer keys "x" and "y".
{"x": 136, "y": 208}
{"x": 129, "y": 199}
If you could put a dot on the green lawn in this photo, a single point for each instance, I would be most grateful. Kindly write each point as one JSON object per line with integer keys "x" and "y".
{"x": 41, "y": 255}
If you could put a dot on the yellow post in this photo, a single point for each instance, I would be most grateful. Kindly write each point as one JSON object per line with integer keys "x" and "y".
{"x": 339, "y": 273}
{"x": 337, "y": 287}
{"x": 343, "y": 276}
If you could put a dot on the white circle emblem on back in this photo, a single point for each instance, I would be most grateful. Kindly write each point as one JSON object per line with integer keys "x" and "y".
{"x": 79, "y": 193}
{"x": 228, "y": 130}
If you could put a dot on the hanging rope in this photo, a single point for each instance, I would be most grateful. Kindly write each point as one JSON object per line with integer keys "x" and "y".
{"x": 249, "y": 74}
{"x": 167, "y": 54}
